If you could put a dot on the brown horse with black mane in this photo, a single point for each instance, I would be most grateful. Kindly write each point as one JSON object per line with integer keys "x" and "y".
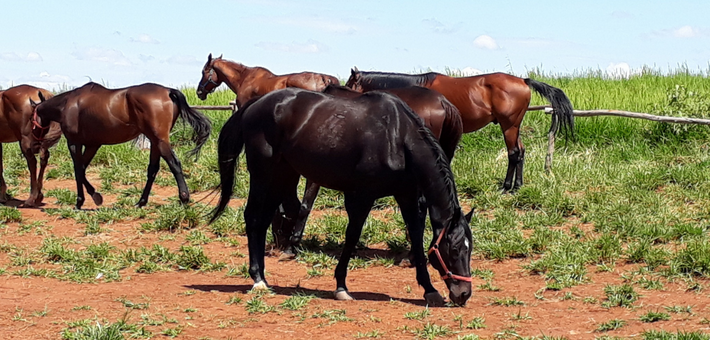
{"x": 92, "y": 116}
{"x": 250, "y": 82}
{"x": 438, "y": 114}
{"x": 16, "y": 126}
{"x": 489, "y": 98}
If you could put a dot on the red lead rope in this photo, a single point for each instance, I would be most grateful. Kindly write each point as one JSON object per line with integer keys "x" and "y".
{"x": 36, "y": 125}
{"x": 449, "y": 274}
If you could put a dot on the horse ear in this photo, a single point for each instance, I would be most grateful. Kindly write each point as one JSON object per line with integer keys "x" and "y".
{"x": 469, "y": 216}
{"x": 354, "y": 70}
{"x": 32, "y": 103}
{"x": 209, "y": 58}
{"x": 220, "y": 56}
{"x": 41, "y": 96}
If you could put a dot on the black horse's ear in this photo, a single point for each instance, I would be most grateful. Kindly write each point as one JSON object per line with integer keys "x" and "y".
{"x": 209, "y": 58}
{"x": 41, "y": 96}
{"x": 354, "y": 70}
{"x": 469, "y": 216}
{"x": 32, "y": 103}
{"x": 220, "y": 56}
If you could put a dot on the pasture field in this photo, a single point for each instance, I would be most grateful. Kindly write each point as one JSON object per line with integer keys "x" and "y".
{"x": 614, "y": 244}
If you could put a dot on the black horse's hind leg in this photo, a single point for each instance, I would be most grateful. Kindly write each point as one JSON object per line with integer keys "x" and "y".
{"x": 153, "y": 168}
{"x": 309, "y": 197}
{"x": 175, "y": 167}
{"x": 4, "y": 197}
{"x": 512, "y": 142}
{"x": 414, "y": 219}
{"x": 288, "y": 229}
{"x": 87, "y": 155}
{"x": 284, "y": 221}
{"x": 519, "y": 166}
{"x": 358, "y": 207}
{"x": 79, "y": 172}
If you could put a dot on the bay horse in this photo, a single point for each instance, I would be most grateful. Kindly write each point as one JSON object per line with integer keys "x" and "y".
{"x": 368, "y": 147}
{"x": 497, "y": 98}
{"x": 437, "y": 113}
{"x": 249, "y": 82}
{"x": 92, "y": 115}
{"x": 16, "y": 126}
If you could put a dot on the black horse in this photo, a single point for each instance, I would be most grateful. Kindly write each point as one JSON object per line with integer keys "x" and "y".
{"x": 369, "y": 147}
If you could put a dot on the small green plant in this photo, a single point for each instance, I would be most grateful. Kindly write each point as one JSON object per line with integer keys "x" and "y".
{"x": 129, "y": 304}
{"x": 431, "y": 331}
{"x": 371, "y": 334}
{"x": 420, "y": 315}
{"x": 478, "y": 322}
{"x": 679, "y": 309}
{"x": 611, "y": 325}
{"x": 655, "y": 316}
{"x": 622, "y": 295}
{"x": 241, "y": 270}
{"x": 172, "y": 332}
{"x": 297, "y": 301}
{"x": 257, "y": 305}
{"x": 506, "y": 301}
{"x": 234, "y": 300}
{"x": 333, "y": 315}
{"x": 191, "y": 258}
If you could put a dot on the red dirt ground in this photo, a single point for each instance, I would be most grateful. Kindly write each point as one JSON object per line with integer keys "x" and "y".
{"x": 197, "y": 300}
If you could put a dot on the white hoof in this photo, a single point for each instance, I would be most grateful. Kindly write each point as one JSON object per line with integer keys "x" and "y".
{"x": 261, "y": 285}
{"x": 342, "y": 295}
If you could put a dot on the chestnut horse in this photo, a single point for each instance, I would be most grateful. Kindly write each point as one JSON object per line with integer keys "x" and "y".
{"x": 368, "y": 147}
{"x": 497, "y": 98}
{"x": 437, "y": 113}
{"x": 249, "y": 82}
{"x": 16, "y": 126}
{"x": 92, "y": 116}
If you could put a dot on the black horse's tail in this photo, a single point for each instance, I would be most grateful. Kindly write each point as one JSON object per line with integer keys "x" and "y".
{"x": 201, "y": 125}
{"x": 561, "y": 106}
{"x": 452, "y": 129}
{"x": 229, "y": 146}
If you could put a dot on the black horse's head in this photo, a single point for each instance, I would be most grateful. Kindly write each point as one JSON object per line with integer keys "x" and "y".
{"x": 450, "y": 254}
{"x": 210, "y": 79}
{"x": 354, "y": 80}
{"x": 40, "y": 122}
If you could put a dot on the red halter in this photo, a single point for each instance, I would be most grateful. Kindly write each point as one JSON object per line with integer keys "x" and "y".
{"x": 36, "y": 125}
{"x": 449, "y": 274}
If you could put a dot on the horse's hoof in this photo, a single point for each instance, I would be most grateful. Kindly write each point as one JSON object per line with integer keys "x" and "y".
{"x": 434, "y": 299}
{"x": 261, "y": 285}
{"x": 287, "y": 256}
{"x": 141, "y": 203}
{"x": 98, "y": 199}
{"x": 342, "y": 295}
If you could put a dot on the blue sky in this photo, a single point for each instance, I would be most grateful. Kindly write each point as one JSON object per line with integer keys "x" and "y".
{"x": 122, "y": 43}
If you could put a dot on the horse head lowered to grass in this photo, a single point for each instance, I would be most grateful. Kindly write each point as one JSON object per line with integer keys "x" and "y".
{"x": 367, "y": 147}
{"x": 92, "y": 116}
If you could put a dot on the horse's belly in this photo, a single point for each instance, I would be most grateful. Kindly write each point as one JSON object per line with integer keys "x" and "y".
{"x": 6, "y": 133}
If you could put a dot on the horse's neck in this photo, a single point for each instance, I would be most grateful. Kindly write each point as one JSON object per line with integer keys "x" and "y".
{"x": 233, "y": 73}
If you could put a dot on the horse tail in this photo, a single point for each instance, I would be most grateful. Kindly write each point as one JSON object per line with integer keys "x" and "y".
{"x": 229, "y": 145}
{"x": 451, "y": 130}
{"x": 201, "y": 125}
{"x": 561, "y": 106}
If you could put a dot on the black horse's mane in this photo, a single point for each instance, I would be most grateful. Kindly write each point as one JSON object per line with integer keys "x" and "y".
{"x": 442, "y": 163}
{"x": 396, "y": 80}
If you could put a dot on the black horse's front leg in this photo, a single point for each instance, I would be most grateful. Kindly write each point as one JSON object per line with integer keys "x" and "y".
{"x": 358, "y": 208}
{"x": 79, "y": 172}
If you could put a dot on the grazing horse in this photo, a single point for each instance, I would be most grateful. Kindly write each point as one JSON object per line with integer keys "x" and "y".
{"x": 438, "y": 114}
{"x": 249, "y": 82}
{"x": 497, "y": 98}
{"x": 16, "y": 126}
{"x": 368, "y": 147}
{"x": 92, "y": 116}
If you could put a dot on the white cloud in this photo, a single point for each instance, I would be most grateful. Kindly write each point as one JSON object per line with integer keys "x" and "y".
{"x": 12, "y": 56}
{"x": 320, "y": 24}
{"x": 44, "y": 80}
{"x": 104, "y": 55}
{"x": 311, "y": 46}
{"x": 145, "y": 39}
{"x": 621, "y": 70}
{"x": 438, "y": 27}
{"x": 146, "y": 58}
{"x": 486, "y": 42}
{"x": 686, "y": 31}
{"x": 470, "y": 71}
{"x": 183, "y": 60}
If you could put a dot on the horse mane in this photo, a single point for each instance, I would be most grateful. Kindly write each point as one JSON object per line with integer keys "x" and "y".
{"x": 394, "y": 80}
{"x": 442, "y": 162}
